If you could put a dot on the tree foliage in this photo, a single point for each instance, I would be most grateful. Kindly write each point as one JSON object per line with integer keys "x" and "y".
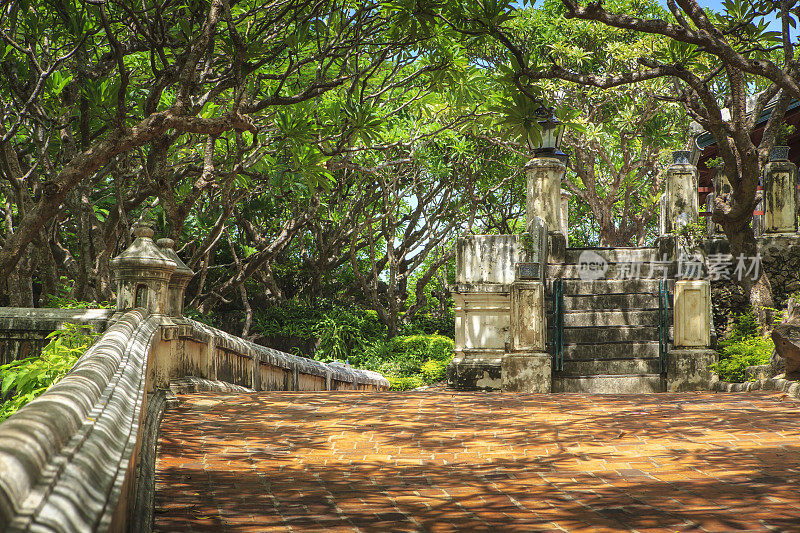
{"x": 293, "y": 150}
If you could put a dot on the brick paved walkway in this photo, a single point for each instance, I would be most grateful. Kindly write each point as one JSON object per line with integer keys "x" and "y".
{"x": 447, "y": 461}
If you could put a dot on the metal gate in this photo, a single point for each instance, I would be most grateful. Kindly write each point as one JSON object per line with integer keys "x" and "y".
{"x": 558, "y": 324}
{"x": 664, "y": 297}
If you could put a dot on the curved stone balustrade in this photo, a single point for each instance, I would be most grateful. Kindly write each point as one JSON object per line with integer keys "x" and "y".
{"x": 64, "y": 457}
{"x": 68, "y": 459}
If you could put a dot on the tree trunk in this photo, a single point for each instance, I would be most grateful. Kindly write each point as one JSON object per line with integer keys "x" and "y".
{"x": 748, "y": 272}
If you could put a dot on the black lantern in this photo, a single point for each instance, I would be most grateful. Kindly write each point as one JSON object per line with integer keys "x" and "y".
{"x": 552, "y": 130}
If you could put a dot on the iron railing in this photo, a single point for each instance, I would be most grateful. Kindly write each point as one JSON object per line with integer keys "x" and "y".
{"x": 664, "y": 297}
{"x": 558, "y": 324}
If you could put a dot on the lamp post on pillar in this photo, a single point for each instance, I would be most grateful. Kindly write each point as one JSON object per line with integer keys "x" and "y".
{"x": 544, "y": 174}
{"x": 681, "y": 206}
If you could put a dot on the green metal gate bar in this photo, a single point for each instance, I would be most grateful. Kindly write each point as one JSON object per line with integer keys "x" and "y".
{"x": 558, "y": 324}
{"x": 664, "y": 296}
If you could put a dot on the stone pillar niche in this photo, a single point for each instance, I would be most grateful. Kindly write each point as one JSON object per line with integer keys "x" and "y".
{"x": 780, "y": 197}
{"x": 179, "y": 280}
{"x": 688, "y": 362}
{"x": 142, "y": 273}
{"x": 682, "y": 205}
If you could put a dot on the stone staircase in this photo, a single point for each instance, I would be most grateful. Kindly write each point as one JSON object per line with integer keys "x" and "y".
{"x": 610, "y": 324}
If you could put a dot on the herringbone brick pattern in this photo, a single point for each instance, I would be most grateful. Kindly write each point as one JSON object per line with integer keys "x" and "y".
{"x": 443, "y": 461}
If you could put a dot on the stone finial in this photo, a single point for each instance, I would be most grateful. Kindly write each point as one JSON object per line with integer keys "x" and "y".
{"x": 143, "y": 230}
{"x": 179, "y": 280}
{"x": 142, "y": 273}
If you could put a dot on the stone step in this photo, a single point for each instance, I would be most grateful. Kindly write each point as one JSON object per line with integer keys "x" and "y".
{"x": 628, "y": 350}
{"x": 609, "y": 302}
{"x": 613, "y": 271}
{"x": 607, "y": 334}
{"x": 610, "y": 384}
{"x": 603, "y": 317}
{"x": 573, "y": 287}
{"x": 610, "y": 255}
{"x": 591, "y": 367}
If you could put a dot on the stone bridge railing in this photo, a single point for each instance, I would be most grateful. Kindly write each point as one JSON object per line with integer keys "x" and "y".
{"x": 71, "y": 460}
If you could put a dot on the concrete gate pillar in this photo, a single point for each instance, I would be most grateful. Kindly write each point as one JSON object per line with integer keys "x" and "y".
{"x": 689, "y": 360}
{"x": 780, "y": 196}
{"x": 565, "y": 196}
{"x": 544, "y": 175}
{"x": 544, "y": 191}
{"x": 527, "y": 367}
{"x": 682, "y": 204}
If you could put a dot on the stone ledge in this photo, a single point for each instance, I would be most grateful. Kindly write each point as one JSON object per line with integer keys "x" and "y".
{"x": 792, "y": 388}
{"x": 528, "y": 371}
{"x": 45, "y": 319}
{"x": 190, "y": 384}
{"x": 688, "y": 369}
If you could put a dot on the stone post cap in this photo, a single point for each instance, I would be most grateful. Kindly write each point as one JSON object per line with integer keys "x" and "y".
{"x": 165, "y": 242}
{"x": 544, "y": 161}
{"x": 143, "y": 254}
{"x": 182, "y": 272}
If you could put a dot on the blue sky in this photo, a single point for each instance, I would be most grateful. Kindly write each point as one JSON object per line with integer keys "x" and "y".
{"x": 716, "y": 5}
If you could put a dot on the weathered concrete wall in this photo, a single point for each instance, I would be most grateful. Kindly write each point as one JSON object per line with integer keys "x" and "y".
{"x": 688, "y": 369}
{"x": 487, "y": 259}
{"x": 691, "y": 320}
{"x": 23, "y": 331}
{"x": 780, "y": 197}
{"x": 529, "y": 330}
{"x": 190, "y": 348}
{"x": 526, "y": 372}
{"x": 486, "y": 274}
{"x": 681, "y": 192}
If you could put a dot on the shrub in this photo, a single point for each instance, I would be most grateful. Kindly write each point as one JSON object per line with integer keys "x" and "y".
{"x": 356, "y": 335}
{"x": 410, "y": 361}
{"x": 25, "y": 379}
{"x": 404, "y": 383}
{"x": 344, "y": 333}
{"x": 423, "y": 347}
{"x": 434, "y": 370}
{"x": 430, "y": 325}
{"x": 743, "y": 347}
